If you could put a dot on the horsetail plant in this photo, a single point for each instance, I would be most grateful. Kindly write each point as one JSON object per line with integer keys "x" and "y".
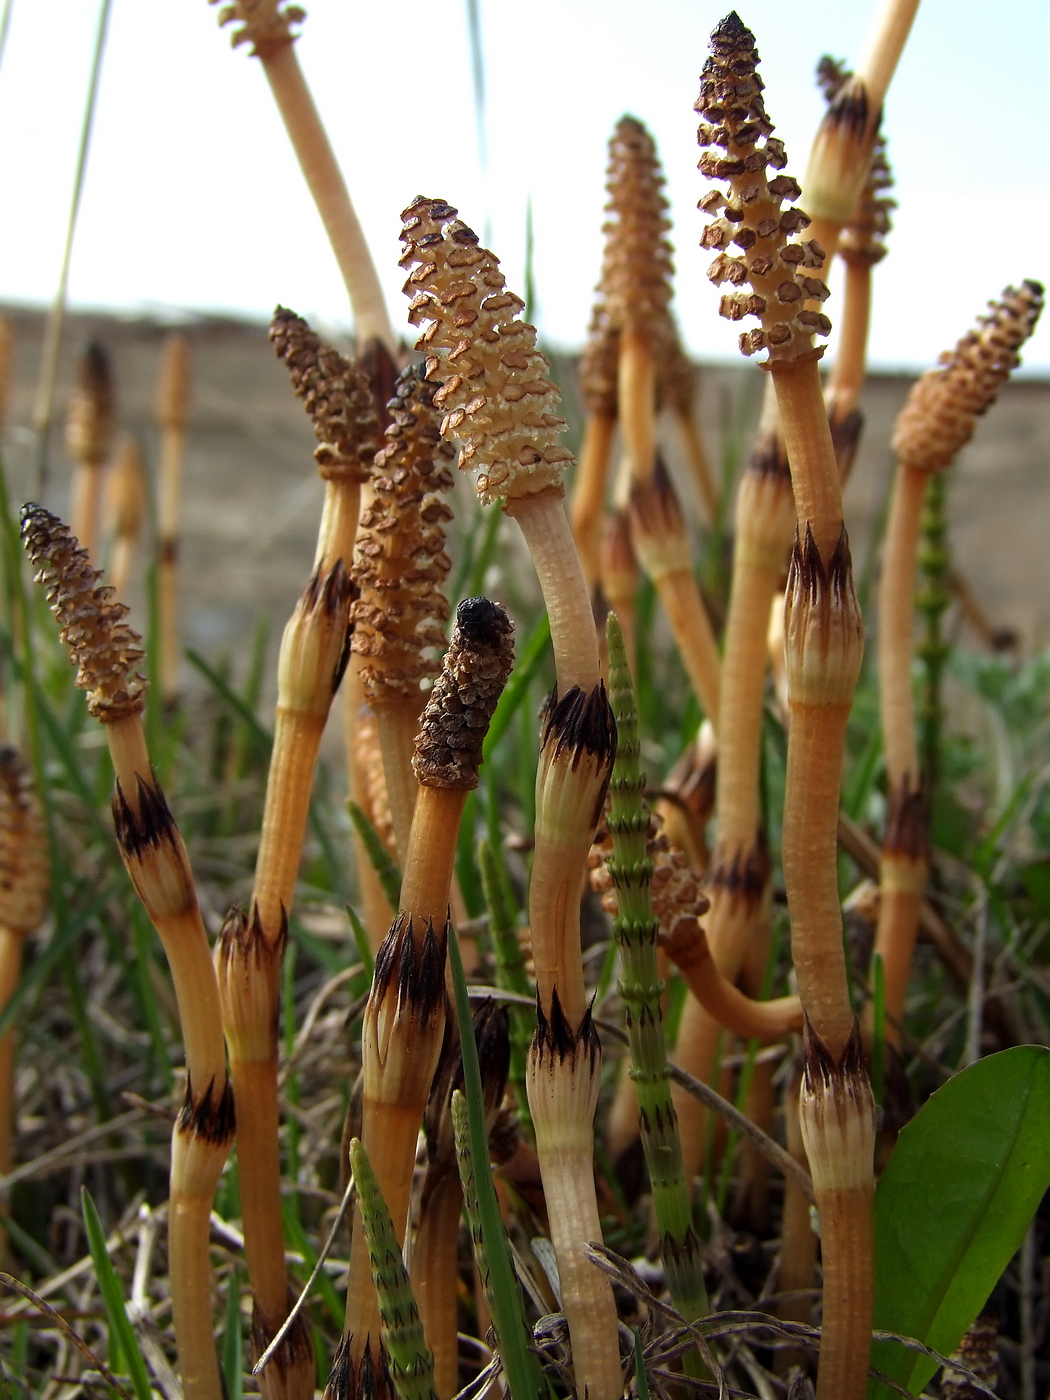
{"x": 635, "y": 930}
{"x": 250, "y": 951}
{"x": 661, "y": 544}
{"x": 598, "y": 390}
{"x": 823, "y": 645}
{"x": 509, "y": 958}
{"x": 841, "y": 156}
{"x": 173, "y": 403}
{"x": 24, "y": 887}
{"x": 405, "y": 1018}
{"x": 106, "y": 652}
{"x": 89, "y": 433}
{"x": 400, "y": 566}
{"x": 268, "y": 26}
{"x": 936, "y": 422}
{"x": 498, "y": 398}
{"x": 126, "y": 503}
{"x": 411, "y": 1365}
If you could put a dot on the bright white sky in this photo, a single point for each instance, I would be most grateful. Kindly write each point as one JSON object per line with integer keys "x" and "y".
{"x": 193, "y": 198}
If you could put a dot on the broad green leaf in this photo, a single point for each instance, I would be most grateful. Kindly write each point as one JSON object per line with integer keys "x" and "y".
{"x": 953, "y": 1205}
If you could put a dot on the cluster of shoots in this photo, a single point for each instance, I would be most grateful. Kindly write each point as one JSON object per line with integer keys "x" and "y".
{"x": 443, "y": 1093}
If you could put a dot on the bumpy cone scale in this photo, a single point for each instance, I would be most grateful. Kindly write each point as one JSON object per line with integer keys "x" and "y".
{"x": 400, "y": 566}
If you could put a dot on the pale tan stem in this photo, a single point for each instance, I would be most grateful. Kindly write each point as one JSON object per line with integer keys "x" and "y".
{"x": 11, "y": 941}
{"x": 377, "y": 910}
{"x": 324, "y": 178}
{"x": 588, "y": 499}
{"x": 809, "y": 855}
{"x": 563, "y": 1094}
{"x": 700, "y": 466}
{"x": 738, "y": 1013}
{"x": 398, "y": 725}
{"x": 197, "y": 1158}
{"x": 573, "y": 636}
{"x": 896, "y": 621}
{"x": 847, "y": 1245}
{"x": 636, "y": 393}
{"x": 169, "y": 509}
{"x": 695, "y": 640}
{"x": 797, "y": 1272}
{"x": 432, "y": 856}
{"x": 559, "y": 869}
{"x": 807, "y": 439}
{"x": 121, "y": 561}
{"x": 883, "y": 46}
{"x": 338, "y": 529}
{"x": 434, "y": 1276}
{"x": 86, "y": 507}
{"x": 297, "y": 739}
{"x": 165, "y": 884}
{"x": 847, "y": 375}
{"x": 902, "y": 881}
{"x": 258, "y": 1121}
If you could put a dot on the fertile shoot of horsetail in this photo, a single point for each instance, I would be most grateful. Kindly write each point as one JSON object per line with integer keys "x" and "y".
{"x": 660, "y": 1132}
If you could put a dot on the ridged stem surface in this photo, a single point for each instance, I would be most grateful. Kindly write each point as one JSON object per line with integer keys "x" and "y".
{"x": 693, "y": 636}
{"x": 172, "y": 449}
{"x": 588, "y": 499}
{"x": 297, "y": 740}
{"x": 324, "y": 178}
{"x": 398, "y": 724}
{"x": 896, "y": 624}
{"x": 635, "y": 930}
{"x": 809, "y": 852}
{"x": 637, "y": 401}
{"x": 435, "y": 1269}
{"x": 547, "y": 534}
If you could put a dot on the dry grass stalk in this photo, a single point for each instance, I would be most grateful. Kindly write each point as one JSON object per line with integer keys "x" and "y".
{"x": 89, "y": 433}
{"x": 24, "y": 883}
{"x": 661, "y": 543}
{"x": 498, "y": 400}
{"x": 406, "y": 1013}
{"x": 824, "y": 640}
{"x": 400, "y": 566}
{"x": 938, "y": 419}
{"x": 173, "y": 406}
{"x": 126, "y": 501}
{"x": 106, "y": 652}
{"x": 267, "y": 25}
{"x": 841, "y": 156}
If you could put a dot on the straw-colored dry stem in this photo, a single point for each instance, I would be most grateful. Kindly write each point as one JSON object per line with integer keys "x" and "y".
{"x": 89, "y": 430}
{"x": 173, "y": 391}
{"x": 588, "y": 499}
{"x": 564, "y": 1074}
{"x": 837, "y": 1114}
{"x": 126, "y": 501}
{"x": 730, "y": 1007}
{"x": 267, "y": 27}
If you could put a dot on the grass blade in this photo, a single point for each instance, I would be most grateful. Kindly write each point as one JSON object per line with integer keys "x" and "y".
{"x": 113, "y": 1298}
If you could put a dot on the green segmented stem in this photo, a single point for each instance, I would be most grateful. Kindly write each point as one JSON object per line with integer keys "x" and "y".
{"x": 511, "y": 975}
{"x": 932, "y": 599}
{"x": 471, "y": 1208}
{"x": 635, "y": 931}
{"x": 411, "y": 1364}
